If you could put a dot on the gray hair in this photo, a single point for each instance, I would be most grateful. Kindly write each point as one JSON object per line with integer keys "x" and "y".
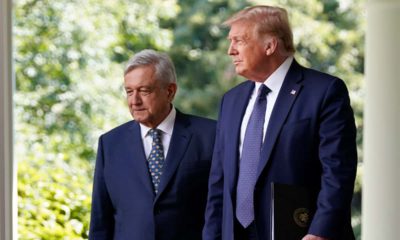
{"x": 162, "y": 63}
{"x": 267, "y": 20}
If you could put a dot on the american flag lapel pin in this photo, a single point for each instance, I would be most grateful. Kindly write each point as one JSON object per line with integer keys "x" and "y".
{"x": 293, "y": 92}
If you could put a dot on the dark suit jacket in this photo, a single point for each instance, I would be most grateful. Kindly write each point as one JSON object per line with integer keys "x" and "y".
{"x": 310, "y": 142}
{"x": 124, "y": 205}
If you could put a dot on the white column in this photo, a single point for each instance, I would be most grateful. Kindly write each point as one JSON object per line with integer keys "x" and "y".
{"x": 7, "y": 173}
{"x": 381, "y": 176}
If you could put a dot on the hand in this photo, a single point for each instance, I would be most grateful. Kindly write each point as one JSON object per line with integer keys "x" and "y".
{"x": 313, "y": 237}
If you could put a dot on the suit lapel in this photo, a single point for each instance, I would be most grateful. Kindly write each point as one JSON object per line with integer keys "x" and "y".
{"x": 289, "y": 91}
{"x": 177, "y": 148}
{"x": 237, "y": 108}
{"x": 139, "y": 159}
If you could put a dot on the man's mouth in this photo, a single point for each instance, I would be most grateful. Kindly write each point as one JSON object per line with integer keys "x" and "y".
{"x": 236, "y": 62}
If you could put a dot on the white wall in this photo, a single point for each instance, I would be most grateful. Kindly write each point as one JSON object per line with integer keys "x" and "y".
{"x": 7, "y": 193}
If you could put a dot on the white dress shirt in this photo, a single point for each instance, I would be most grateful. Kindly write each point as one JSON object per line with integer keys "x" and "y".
{"x": 274, "y": 83}
{"x": 166, "y": 127}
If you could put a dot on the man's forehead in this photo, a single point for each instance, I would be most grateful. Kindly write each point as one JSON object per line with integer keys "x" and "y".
{"x": 141, "y": 76}
{"x": 240, "y": 29}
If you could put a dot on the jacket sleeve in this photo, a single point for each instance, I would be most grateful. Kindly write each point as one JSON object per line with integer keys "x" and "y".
{"x": 102, "y": 219}
{"x": 213, "y": 214}
{"x": 338, "y": 157}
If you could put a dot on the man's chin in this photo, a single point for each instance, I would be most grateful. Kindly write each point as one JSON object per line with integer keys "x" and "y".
{"x": 239, "y": 70}
{"x": 139, "y": 117}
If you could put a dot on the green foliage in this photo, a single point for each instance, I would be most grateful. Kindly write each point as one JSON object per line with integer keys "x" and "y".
{"x": 204, "y": 69}
{"x": 140, "y": 26}
{"x": 63, "y": 101}
{"x": 53, "y": 196}
{"x": 356, "y": 205}
{"x": 69, "y": 61}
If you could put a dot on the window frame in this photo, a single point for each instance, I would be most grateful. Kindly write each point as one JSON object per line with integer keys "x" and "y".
{"x": 8, "y": 211}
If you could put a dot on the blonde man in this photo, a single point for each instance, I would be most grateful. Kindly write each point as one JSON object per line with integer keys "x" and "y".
{"x": 286, "y": 124}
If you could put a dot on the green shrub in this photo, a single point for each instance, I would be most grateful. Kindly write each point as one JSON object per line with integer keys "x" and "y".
{"x": 54, "y": 198}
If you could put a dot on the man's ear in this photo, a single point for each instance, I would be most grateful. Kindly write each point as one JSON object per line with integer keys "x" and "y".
{"x": 271, "y": 45}
{"x": 172, "y": 87}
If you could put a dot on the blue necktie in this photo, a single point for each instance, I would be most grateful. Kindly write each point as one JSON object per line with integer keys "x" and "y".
{"x": 252, "y": 143}
{"x": 156, "y": 158}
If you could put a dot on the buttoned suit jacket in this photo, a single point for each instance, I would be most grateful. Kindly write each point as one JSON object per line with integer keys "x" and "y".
{"x": 310, "y": 142}
{"x": 124, "y": 205}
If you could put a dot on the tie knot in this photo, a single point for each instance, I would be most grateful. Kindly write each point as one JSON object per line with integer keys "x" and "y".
{"x": 263, "y": 91}
{"x": 155, "y": 133}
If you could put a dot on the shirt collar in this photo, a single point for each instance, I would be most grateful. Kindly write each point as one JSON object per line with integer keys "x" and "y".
{"x": 275, "y": 80}
{"x": 166, "y": 126}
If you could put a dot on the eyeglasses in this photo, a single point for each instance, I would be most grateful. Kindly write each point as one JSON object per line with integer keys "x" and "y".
{"x": 142, "y": 91}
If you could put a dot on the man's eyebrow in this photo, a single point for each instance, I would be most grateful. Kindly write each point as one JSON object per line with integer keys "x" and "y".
{"x": 139, "y": 87}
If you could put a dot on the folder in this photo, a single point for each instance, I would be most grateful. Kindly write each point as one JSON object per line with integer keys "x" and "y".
{"x": 292, "y": 210}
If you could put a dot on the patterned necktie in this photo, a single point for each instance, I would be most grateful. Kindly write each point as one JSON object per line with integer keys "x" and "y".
{"x": 156, "y": 158}
{"x": 250, "y": 158}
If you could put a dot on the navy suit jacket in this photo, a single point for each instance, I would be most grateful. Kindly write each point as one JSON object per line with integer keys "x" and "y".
{"x": 310, "y": 142}
{"x": 124, "y": 205}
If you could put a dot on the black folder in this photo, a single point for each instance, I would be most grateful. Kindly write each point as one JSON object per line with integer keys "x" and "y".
{"x": 292, "y": 210}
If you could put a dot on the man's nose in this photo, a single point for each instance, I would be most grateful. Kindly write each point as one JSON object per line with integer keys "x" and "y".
{"x": 231, "y": 49}
{"x": 135, "y": 98}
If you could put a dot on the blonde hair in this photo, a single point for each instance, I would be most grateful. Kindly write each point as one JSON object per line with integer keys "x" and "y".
{"x": 267, "y": 20}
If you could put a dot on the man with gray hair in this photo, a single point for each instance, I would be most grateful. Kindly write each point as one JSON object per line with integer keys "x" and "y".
{"x": 287, "y": 126}
{"x": 151, "y": 173}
